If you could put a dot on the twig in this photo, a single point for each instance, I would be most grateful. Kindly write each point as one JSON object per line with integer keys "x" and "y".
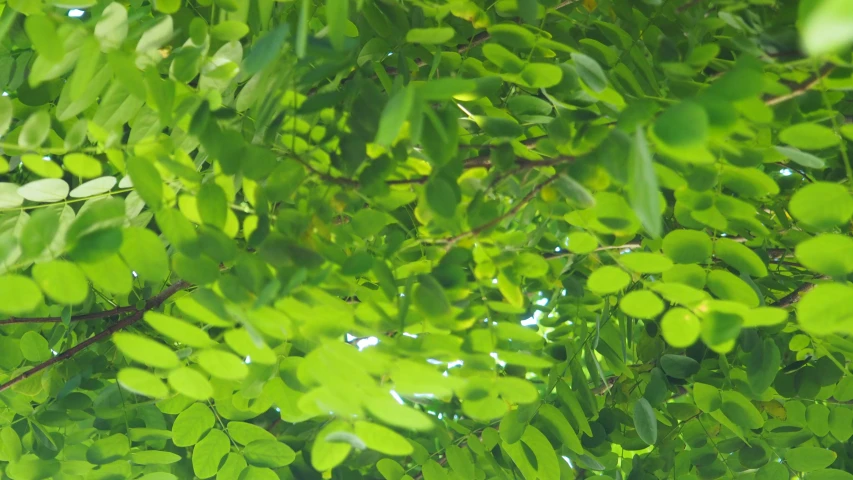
{"x": 75, "y": 318}
{"x": 794, "y": 296}
{"x": 803, "y": 88}
{"x": 152, "y": 303}
{"x": 512, "y": 211}
{"x": 688, "y": 5}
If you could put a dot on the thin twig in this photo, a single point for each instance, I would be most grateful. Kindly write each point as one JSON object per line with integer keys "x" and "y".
{"x": 75, "y": 318}
{"x": 152, "y": 303}
{"x": 512, "y": 211}
{"x": 794, "y": 296}
{"x": 688, "y": 5}
{"x": 803, "y": 88}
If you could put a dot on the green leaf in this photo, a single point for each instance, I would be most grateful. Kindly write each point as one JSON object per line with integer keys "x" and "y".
{"x": 809, "y": 459}
{"x": 6, "y": 115}
{"x": 209, "y": 452}
{"x": 805, "y": 159}
{"x": 644, "y": 262}
{"x": 82, "y": 165}
{"x": 807, "y": 205}
{"x": 229, "y": 30}
{"x": 268, "y": 453}
{"x": 152, "y": 457}
{"x": 430, "y": 36}
{"x": 191, "y": 425}
{"x": 111, "y": 29}
{"x": 144, "y": 350}
{"x": 684, "y": 125}
{"x": 146, "y": 181}
{"x": 382, "y": 439}
{"x": 109, "y": 274}
{"x": 142, "y": 382}
{"x": 809, "y": 136}
{"x": 94, "y": 187}
{"x": 178, "y": 330}
{"x": 740, "y": 257}
{"x": 687, "y": 246}
{"x": 246, "y": 433}
{"x": 608, "y": 279}
{"x": 167, "y": 6}
{"x": 641, "y": 304}
{"x": 212, "y": 204}
{"x": 327, "y": 454}
{"x": 39, "y": 232}
{"x": 34, "y": 347}
{"x": 35, "y": 130}
{"x": 680, "y": 327}
{"x": 429, "y": 297}
{"x": 763, "y": 365}
{"x": 582, "y": 242}
{"x": 18, "y": 295}
{"x": 47, "y": 190}
{"x": 679, "y": 366}
{"x": 337, "y": 12}
{"x": 43, "y": 35}
{"x": 828, "y": 254}
{"x": 562, "y": 427}
{"x": 590, "y": 72}
{"x": 394, "y": 116}
{"x": 645, "y": 421}
{"x": 108, "y": 450}
{"x": 643, "y": 194}
{"x": 826, "y": 27}
{"x": 189, "y": 382}
{"x": 829, "y": 474}
{"x": 144, "y": 253}
{"x": 441, "y": 197}
{"x": 221, "y": 364}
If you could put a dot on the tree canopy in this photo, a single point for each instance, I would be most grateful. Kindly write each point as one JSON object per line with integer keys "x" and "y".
{"x": 426, "y": 239}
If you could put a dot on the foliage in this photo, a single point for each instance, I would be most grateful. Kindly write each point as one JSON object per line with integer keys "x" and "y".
{"x": 426, "y": 239}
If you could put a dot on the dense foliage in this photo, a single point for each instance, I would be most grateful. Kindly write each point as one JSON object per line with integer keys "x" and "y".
{"x": 426, "y": 239}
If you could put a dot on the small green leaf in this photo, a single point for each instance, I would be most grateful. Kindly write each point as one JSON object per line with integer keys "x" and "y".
{"x": 590, "y": 72}
{"x": 828, "y": 254}
{"x": 189, "y": 382}
{"x": 805, "y": 159}
{"x": 394, "y": 116}
{"x": 382, "y": 439}
{"x": 209, "y": 452}
{"x": 178, "y": 330}
{"x": 684, "y": 125}
{"x": 430, "y": 36}
{"x": 82, "y": 165}
{"x": 608, "y": 279}
{"x": 809, "y": 136}
{"x": 191, "y": 425}
{"x": 687, "y": 246}
{"x": 34, "y": 347}
{"x": 108, "y": 450}
{"x": 327, "y": 454}
{"x": 808, "y": 205}
{"x": 337, "y": 12}
{"x": 47, "y": 190}
{"x": 142, "y": 382}
{"x": 680, "y": 327}
{"x": 222, "y": 364}
{"x": 645, "y": 421}
{"x": 740, "y": 257}
{"x": 641, "y": 304}
{"x": 268, "y": 453}
{"x": 35, "y": 130}
{"x": 679, "y": 366}
{"x": 62, "y": 281}
{"x": 144, "y": 350}
{"x": 826, "y": 29}
{"x": 644, "y": 192}
{"x": 18, "y": 294}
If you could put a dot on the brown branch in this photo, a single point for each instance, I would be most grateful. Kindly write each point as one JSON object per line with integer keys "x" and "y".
{"x": 152, "y": 303}
{"x": 794, "y": 296}
{"x": 512, "y": 211}
{"x": 75, "y": 318}
{"x": 802, "y": 88}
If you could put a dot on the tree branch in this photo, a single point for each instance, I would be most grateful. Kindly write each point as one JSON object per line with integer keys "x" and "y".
{"x": 512, "y": 211}
{"x": 152, "y": 303}
{"x": 75, "y": 318}
{"x": 802, "y": 88}
{"x": 794, "y": 296}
